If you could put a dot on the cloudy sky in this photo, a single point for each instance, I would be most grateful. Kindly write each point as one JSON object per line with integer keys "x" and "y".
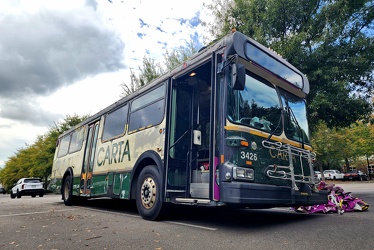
{"x": 61, "y": 57}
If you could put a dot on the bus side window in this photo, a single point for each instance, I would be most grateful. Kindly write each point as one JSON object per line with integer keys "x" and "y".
{"x": 64, "y": 146}
{"x": 147, "y": 110}
{"x": 77, "y": 138}
{"x": 115, "y": 123}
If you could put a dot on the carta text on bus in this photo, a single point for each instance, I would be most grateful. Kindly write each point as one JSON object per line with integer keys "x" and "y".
{"x": 280, "y": 155}
{"x": 114, "y": 153}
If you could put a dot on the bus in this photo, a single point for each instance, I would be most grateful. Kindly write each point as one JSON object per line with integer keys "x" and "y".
{"x": 228, "y": 127}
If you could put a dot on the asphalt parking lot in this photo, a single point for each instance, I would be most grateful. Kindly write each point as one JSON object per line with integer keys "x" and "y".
{"x": 355, "y": 186}
{"x": 46, "y": 223}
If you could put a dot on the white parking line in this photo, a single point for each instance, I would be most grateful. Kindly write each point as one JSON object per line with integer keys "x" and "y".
{"x": 192, "y": 225}
{"x": 138, "y": 216}
{"x": 111, "y": 212}
{"x": 42, "y": 212}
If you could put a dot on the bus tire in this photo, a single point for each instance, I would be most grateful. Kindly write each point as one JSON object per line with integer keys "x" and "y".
{"x": 67, "y": 191}
{"x": 149, "y": 194}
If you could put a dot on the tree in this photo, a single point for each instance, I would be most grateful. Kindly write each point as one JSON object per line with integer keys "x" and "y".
{"x": 134, "y": 84}
{"x": 330, "y": 41}
{"x": 180, "y": 55}
{"x": 329, "y": 147}
{"x": 149, "y": 71}
{"x": 363, "y": 140}
{"x": 350, "y": 144}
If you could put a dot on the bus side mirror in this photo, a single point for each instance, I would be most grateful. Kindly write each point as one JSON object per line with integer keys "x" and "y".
{"x": 237, "y": 76}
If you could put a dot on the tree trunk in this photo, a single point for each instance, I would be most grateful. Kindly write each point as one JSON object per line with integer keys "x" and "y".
{"x": 346, "y": 165}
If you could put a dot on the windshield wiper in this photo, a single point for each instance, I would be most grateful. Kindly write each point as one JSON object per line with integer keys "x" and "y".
{"x": 276, "y": 128}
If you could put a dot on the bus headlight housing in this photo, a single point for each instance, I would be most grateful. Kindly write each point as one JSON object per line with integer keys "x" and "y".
{"x": 243, "y": 173}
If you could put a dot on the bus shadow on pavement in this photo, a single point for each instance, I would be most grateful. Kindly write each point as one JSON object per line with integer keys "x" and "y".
{"x": 239, "y": 217}
{"x": 214, "y": 216}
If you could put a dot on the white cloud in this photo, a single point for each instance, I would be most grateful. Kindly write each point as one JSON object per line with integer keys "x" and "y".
{"x": 63, "y": 58}
{"x": 85, "y": 97}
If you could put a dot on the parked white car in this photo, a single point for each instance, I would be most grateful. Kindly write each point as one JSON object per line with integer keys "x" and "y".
{"x": 27, "y": 186}
{"x": 317, "y": 175}
{"x": 333, "y": 174}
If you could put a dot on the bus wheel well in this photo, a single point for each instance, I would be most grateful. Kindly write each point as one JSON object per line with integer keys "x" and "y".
{"x": 145, "y": 162}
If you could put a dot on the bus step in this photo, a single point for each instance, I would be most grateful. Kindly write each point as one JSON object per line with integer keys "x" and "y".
{"x": 192, "y": 201}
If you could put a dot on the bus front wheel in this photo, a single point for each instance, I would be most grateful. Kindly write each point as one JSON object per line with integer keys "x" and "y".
{"x": 149, "y": 195}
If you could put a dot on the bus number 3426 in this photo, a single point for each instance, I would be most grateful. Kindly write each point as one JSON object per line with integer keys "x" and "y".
{"x": 248, "y": 156}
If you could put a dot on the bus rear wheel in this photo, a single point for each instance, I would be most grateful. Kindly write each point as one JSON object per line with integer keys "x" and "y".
{"x": 67, "y": 191}
{"x": 149, "y": 196}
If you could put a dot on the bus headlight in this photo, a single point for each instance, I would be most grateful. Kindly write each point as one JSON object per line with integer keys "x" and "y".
{"x": 243, "y": 173}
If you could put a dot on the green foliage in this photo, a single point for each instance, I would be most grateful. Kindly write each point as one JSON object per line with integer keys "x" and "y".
{"x": 133, "y": 86}
{"x": 335, "y": 146}
{"x": 178, "y": 56}
{"x": 150, "y": 70}
{"x": 363, "y": 135}
{"x": 36, "y": 160}
{"x": 329, "y": 146}
{"x": 330, "y": 41}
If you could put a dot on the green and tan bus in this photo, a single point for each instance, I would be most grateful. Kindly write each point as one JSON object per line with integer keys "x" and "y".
{"x": 228, "y": 127}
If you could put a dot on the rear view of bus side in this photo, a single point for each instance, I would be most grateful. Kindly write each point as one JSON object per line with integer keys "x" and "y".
{"x": 228, "y": 127}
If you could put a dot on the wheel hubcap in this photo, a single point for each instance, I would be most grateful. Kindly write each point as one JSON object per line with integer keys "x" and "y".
{"x": 66, "y": 191}
{"x": 148, "y": 193}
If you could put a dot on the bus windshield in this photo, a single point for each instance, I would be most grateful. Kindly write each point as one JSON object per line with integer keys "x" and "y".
{"x": 295, "y": 120}
{"x": 259, "y": 106}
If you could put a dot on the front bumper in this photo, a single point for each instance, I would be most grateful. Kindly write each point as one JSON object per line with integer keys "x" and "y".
{"x": 262, "y": 195}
